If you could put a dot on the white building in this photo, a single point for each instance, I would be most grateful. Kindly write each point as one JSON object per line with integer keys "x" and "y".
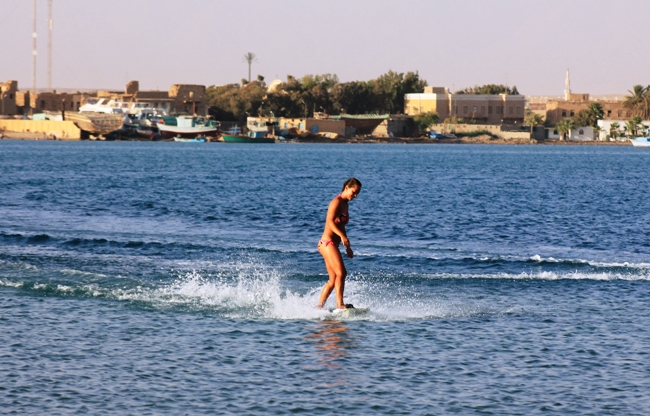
{"x": 605, "y": 126}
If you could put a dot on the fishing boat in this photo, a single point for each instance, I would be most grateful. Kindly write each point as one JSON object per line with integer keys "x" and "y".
{"x": 194, "y": 140}
{"x": 256, "y": 128}
{"x": 641, "y": 142}
{"x": 232, "y": 138}
{"x": 188, "y": 126}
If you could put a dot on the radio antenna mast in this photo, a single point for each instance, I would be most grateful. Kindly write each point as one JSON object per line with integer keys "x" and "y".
{"x": 49, "y": 46}
{"x": 34, "y": 54}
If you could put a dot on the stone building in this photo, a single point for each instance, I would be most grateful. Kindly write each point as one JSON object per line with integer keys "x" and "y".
{"x": 482, "y": 108}
{"x": 8, "y": 92}
{"x": 556, "y": 109}
{"x": 16, "y": 102}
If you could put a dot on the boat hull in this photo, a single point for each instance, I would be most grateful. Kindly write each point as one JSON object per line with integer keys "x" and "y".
{"x": 246, "y": 139}
{"x": 195, "y": 140}
{"x": 175, "y": 131}
{"x": 641, "y": 142}
{"x": 96, "y": 123}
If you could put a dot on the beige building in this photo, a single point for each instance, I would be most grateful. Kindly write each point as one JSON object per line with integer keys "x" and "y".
{"x": 483, "y": 108}
{"x": 179, "y": 99}
{"x": 556, "y": 110}
{"x": 29, "y": 103}
{"x": 8, "y": 92}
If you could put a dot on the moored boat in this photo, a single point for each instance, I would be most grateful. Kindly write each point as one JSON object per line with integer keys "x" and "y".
{"x": 187, "y": 126}
{"x": 229, "y": 138}
{"x": 641, "y": 142}
{"x": 96, "y": 123}
{"x": 194, "y": 140}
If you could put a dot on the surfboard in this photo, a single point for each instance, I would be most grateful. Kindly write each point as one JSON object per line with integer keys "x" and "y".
{"x": 349, "y": 313}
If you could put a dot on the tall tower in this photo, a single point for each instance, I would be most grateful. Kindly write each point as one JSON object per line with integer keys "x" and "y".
{"x": 34, "y": 54}
{"x": 49, "y": 45}
{"x": 567, "y": 86}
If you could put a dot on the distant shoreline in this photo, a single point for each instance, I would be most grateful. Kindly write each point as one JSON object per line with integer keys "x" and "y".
{"x": 371, "y": 140}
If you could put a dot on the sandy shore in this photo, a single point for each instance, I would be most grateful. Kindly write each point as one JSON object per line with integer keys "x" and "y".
{"x": 383, "y": 140}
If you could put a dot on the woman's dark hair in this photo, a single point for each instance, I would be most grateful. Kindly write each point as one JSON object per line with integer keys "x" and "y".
{"x": 351, "y": 182}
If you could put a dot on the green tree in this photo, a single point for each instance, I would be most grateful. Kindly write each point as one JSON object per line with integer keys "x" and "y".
{"x": 583, "y": 118}
{"x": 596, "y": 112}
{"x": 598, "y": 129}
{"x": 533, "y": 119}
{"x": 250, "y": 58}
{"x": 354, "y": 97}
{"x": 639, "y": 101}
{"x": 489, "y": 89}
{"x": 631, "y": 127}
{"x": 564, "y": 127}
{"x": 425, "y": 120}
{"x": 613, "y": 130}
{"x": 389, "y": 89}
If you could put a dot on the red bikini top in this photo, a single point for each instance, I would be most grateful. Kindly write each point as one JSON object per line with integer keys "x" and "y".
{"x": 343, "y": 218}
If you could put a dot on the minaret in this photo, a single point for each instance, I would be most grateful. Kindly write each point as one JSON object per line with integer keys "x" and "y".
{"x": 567, "y": 86}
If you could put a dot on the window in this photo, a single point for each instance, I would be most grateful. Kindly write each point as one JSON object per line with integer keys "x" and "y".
{"x": 42, "y": 103}
{"x": 619, "y": 113}
{"x": 511, "y": 110}
{"x": 609, "y": 113}
{"x": 581, "y": 131}
{"x": 78, "y": 105}
{"x": 572, "y": 113}
{"x": 490, "y": 109}
{"x": 71, "y": 104}
{"x": 498, "y": 109}
{"x": 563, "y": 113}
{"x": 11, "y": 96}
{"x": 475, "y": 109}
{"x": 464, "y": 109}
{"x": 519, "y": 110}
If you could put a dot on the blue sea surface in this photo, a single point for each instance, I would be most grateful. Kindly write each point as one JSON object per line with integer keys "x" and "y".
{"x": 181, "y": 278}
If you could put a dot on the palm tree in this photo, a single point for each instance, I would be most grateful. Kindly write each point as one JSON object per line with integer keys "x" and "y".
{"x": 596, "y": 113}
{"x": 631, "y": 127}
{"x": 613, "y": 130}
{"x": 533, "y": 119}
{"x": 598, "y": 130}
{"x": 250, "y": 58}
{"x": 564, "y": 127}
{"x": 638, "y": 101}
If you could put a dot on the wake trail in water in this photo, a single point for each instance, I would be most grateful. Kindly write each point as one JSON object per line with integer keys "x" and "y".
{"x": 249, "y": 289}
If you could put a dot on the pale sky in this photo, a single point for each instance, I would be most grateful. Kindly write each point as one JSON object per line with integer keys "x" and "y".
{"x": 452, "y": 43}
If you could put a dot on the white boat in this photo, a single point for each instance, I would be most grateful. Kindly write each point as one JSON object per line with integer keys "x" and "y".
{"x": 104, "y": 105}
{"x": 641, "y": 142}
{"x": 135, "y": 110}
{"x": 188, "y": 126}
{"x": 256, "y": 128}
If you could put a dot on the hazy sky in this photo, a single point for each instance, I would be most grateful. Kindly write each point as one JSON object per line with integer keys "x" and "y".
{"x": 452, "y": 43}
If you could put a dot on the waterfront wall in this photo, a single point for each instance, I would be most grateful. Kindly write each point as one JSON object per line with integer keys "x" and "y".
{"x": 63, "y": 130}
{"x": 468, "y": 128}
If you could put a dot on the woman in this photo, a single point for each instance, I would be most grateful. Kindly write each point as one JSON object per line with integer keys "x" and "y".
{"x": 328, "y": 246}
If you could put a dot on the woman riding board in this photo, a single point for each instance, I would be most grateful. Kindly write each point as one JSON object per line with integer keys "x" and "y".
{"x": 333, "y": 235}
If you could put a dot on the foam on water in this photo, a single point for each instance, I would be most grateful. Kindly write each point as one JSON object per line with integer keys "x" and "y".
{"x": 248, "y": 289}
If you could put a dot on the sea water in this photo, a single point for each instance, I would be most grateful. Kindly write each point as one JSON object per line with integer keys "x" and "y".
{"x": 178, "y": 278}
